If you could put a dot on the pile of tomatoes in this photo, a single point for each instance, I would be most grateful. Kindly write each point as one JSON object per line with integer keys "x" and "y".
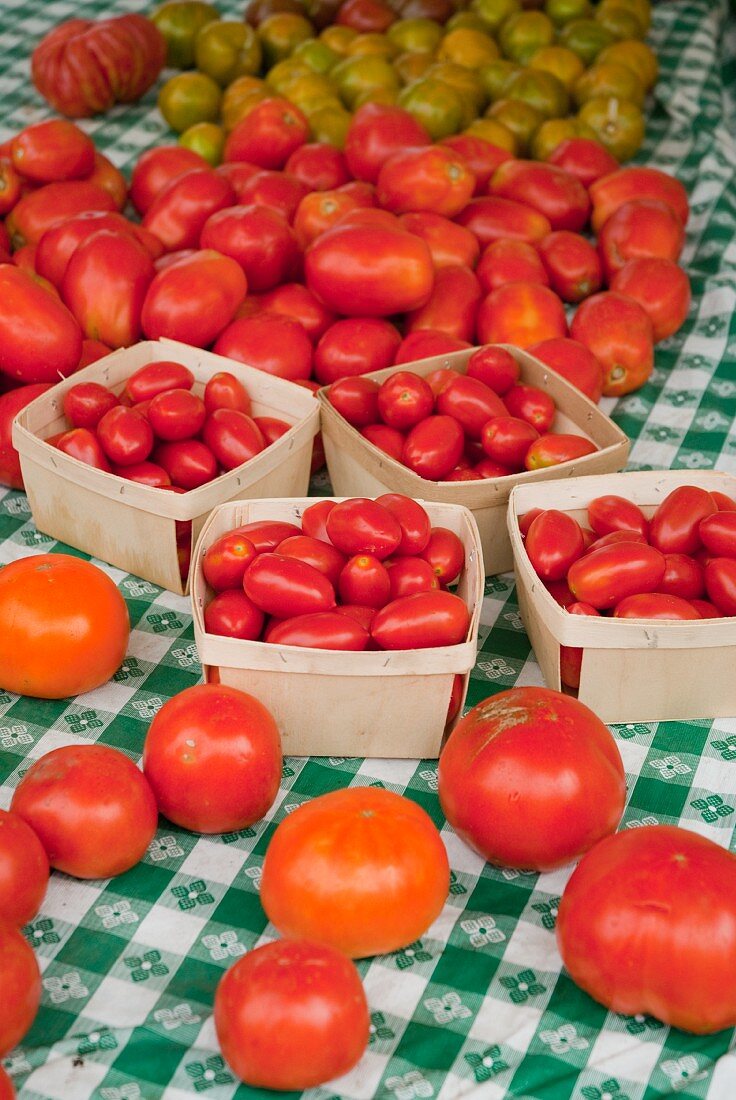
{"x": 451, "y": 426}
{"x": 358, "y": 574}
{"x": 678, "y": 564}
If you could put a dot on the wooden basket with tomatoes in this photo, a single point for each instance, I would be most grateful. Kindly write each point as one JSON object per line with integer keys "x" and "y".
{"x": 382, "y": 702}
{"x": 357, "y": 465}
{"x": 121, "y": 513}
{"x": 610, "y": 620}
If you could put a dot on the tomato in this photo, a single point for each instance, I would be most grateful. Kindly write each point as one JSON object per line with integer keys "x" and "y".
{"x": 471, "y": 402}
{"x": 259, "y": 239}
{"x": 92, "y": 809}
{"x": 720, "y": 584}
{"x": 723, "y": 503}
{"x": 615, "y": 513}
{"x": 606, "y": 576}
{"x": 480, "y": 155}
{"x": 426, "y": 343}
{"x": 224, "y": 391}
{"x": 388, "y": 440}
{"x": 585, "y": 158}
{"x": 683, "y": 577}
{"x": 354, "y": 346}
{"x": 556, "y": 447}
{"x": 571, "y": 657}
{"x": 39, "y": 337}
{"x": 491, "y": 218}
{"x": 314, "y": 520}
{"x": 145, "y": 473}
{"x": 364, "y": 580}
{"x": 452, "y": 306}
{"x": 52, "y": 150}
{"x": 157, "y": 377}
{"x": 638, "y": 901}
{"x": 361, "y": 869}
{"x": 156, "y": 168}
{"x": 531, "y": 778}
{"x": 449, "y": 244}
{"x": 619, "y": 333}
{"x": 125, "y": 435}
{"x": 266, "y": 534}
{"x": 82, "y": 444}
{"x": 86, "y": 403}
{"x": 322, "y": 630}
{"x": 638, "y": 229}
{"x": 110, "y": 179}
{"x": 41, "y": 209}
{"x": 429, "y": 178}
{"x": 316, "y": 552}
{"x": 717, "y": 533}
{"x": 268, "y": 135}
{"x": 231, "y": 614}
{"x": 706, "y": 609}
{"x": 520, "y": 314}
{"x": 553, "y": 542}
{"x": 655, "y": 605}
{"x": 412, "y": 519}
{"x": 574, "y": 362}
{"x": 277, "y": 191}
{"x": 269, "y": 342}
{"x": 496, "y": 367}
{"x": 421, "y": 621}
{"x": 188, "y": 462}
{"x": 194, "y": 298}
{"x": 627, "y": 184}
{"x": 21, "y": 987}
{"x": 291, "y": 1015}
{"x": 11, "y": 188}
{"x": 356, "y": 399}
{"x": 321, "y": 210}
{"x": 377, "y": 131}
{"x": 363, "y": 526}
{"x": 271, "y": 428}
{"x": 552, "y": 191}
{"x": 674, "y": 527}
{"x": 660, "y": 287}
{"x": 509, "y": 261}
{"x": 572, "y": 265}
{"x": 63, "y": 626}
{"x": 7, "y": 1092}
{"x": 320, "y": 166}
{"x": 232, "y": 437}
{"x": 284, "y": 586}
{"x": 10, "y": 404}
{"x": 24, "y": 870}
{"x": 225, "y": 561}
{"x": 178, "y": 214}
{"x": 434, "y": 446}
{"x": 404, "y": 399}
{"x": 298, "y": 304}
{"x": 531, "y": 404}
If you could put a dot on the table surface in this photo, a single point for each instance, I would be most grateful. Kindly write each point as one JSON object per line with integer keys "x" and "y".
{"x": 481, "y": 1005}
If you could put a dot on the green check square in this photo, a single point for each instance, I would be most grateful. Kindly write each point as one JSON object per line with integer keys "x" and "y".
{"x": 149, "y": 1058}
{"x": 145, "y": 882}
{"x": 469, "y": 973}
{"x": 681, "y": 738}
{"x": 90, "y": 951}
{"x": 429, "y": 1047}
{"x": 544, "y": 1077}
{"x": 653, "y": 796}
{"x": 50, "y": 1025}
{"x": 195, "y": 980}
{"x": 493, "y": 894}
{"x": 241, "y": 909}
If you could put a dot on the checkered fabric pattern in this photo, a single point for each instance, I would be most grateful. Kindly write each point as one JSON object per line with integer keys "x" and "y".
{"x": 480, "y": 1006}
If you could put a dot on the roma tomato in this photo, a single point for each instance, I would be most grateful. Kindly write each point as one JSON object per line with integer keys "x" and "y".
{"x": 52, "y": 150}
{"x": 83, "y": 444}
{"x": 259, "y": 239}
{"x": 268, "y": 135}
{"x": 321, "y": 167}
{"x": 364, "y": 580}
{"x": 496, "y": 367}
{"x": 404, "y": 399}
{"x": 683, "y": 577}
{"x": 225, "y": 561}
{"x": 322, "y": 210}
{"x": 91, "y": 807}
{"x": 445, "y": 553}
{"x": 531, "y": 404}
{"x": 322, "y": 630}
{"x": 718, "y": 533}
{"x": 354, "y": 346}
{"x": 39, "y": 337}
{"x": 271, "y": 190}
{"x": 125, "y": 435}
{"x": 212, "y": 756}
{"x": 410, "y": 575}
{"x": 178, "y": 214}
{"x": 555, "y": 193}
{"x": 375, "y": 133}
{"x": 188, "y": 462}
{"x": 430, "y": 178}
{"x": 572, "y": 265}
{"x": 434, "y": 447}
{"x": 39, "y": 210}
{"x": 674, "y": 527}
{"x": 660, "y": 287}
{"x": 553, "y": 542}
{"x": 24, "y": 870}
{"x": 268, "y": 342}
{"x": 571, "y": 657}
{"x": 86, "y": 403}
{"x": 322, "y": 555}
{"x": 356, "y": 399}
{"x": 638, "y": 229}
{"x": 619, "y": 333}
{"x": 145, "y": 473}
{"x": 520, "y": 314}
{"x": 448, "y": 243}
{"x": 452, "y": 307}
{"x": 425, "y": 620}
{"x": 314, "y": 519}
{"x": 471, "y": 402}
{"x": 362, "y": 869}
{"x": 628, "y": 184}
{"x": 654, "y": 605}
{"x": 510, "y": 261}
{"x": 10, "y": 404}
{"x": 720, "y": 584}
{"x": 531, "y": 778}
{"x": 615, "y": 513}
{"x": 267, "y": 534}
{"x": 363, "y": 526}
{"x": 283, "y": 586}
{"x": 155, "y": 378}
{"x": 291, "y": 1015}
{"x": 58, "y": 244}
{"x": 194, "y": 298}
{"x": 574, "y": 362}
{"x": 232, "y": 615}
{"x": 298, "y": 304}
{"x": 224, "y": 391}
{"x": 584, "y": 158}
{"x": 21, "y": 986}
{"x": 156, "y": 168}
{"x": 176, "y": 414}
{"x": 480, "y": 155}
{"x": 63, "y": 626}
{"x": 388, "y": 440}
{"x": 491, "y": 218}
{"x": 557, "y": 447}
{"x": 605, "y": 577}
{"x": 232, "y": 437}
{"x": 425, "y": 344}
{"x": 413, "y": 521}
{"x": 639, "y": 900}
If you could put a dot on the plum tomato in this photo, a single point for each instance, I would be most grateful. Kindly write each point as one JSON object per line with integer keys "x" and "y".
{"x": 356, "y": 399}
{"x": 153, "y": 378}
{"x": 86, "y": 403}
{"x": 284, "y": 586}
{"x": 720, "y": 584}
{"x": 266, "y": 534}
{"x": 364, "y": 580}
{"x": 674, "y": 527}
{"x": 554, "y": 541}
{"x": 556, "y": 447}
{"x": 434, "y": 446}
{"x": 615, "y": 513}
{"x": 125, "y": 436}
{"x": 506, "y": 439}
{"x": 654, "y": 605}
{"x": 355, "y": 346}
{"x": 322, "y": 630}
{"x": 314, "y": 519}
{"x": 471, "y": 402}
{"x": 683, "y": 577}
{"x": 362, "y": 526}
{"x": 605, "y": 577}
{"x": 233, "y": 437}
{"x": 424, "y": 620}
{"x": 445, "y": 553}
{"x": 404, "y": 400}
{"x": 232, "y": 615}
{"x": 574, "y": 362}
{"x": 224, "y": 391}
{"x": 83, "y": 444}
{"x": 717, "y": 533}
{"x": 388, "y": 440}
{"x": 316, "y": 552}
{"x": 531, "y": 404}
{"x": 24, "y": 870}
{"x": 571, "y": 657}
{"x": 409, "y": 575}
{"x": 225, "y": 561}
{"x": 176, "y": 414}
{"x": 496, "y": 367}
{"x": 271, "y": 428}
{"x": 21, "y": 988}
{"x": 413, "y": 521}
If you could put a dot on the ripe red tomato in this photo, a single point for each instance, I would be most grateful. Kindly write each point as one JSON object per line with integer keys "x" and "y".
{"x": 318, "y": 165}
{"x": 452, "y": 306}
{"x": 321, "y": 210}
{"x": 315, "y": 552}
{"x": 429, "y": 178}
{"x": 640, "y": 900}
{"x": 232, "y": 615}
{"x": 188, "y": 462}
{"x": 615, "y": 513}
{"x": 91, "y": 807}
{"x": 212, "y": 756}
{"x": 225, "y": 561}
{"x": 553, "y": 542}
{"x": 259, "y": 239}
{"x": 506, "y": 440}
{"x": 520, "y": 314}
{"x": 364, "y": 580}
{"x": 654, "y": 605}
{"x": 510, "y": 261}
{"x": 125, "y": 435}
{"x": 58, "y": 244}
{"x": 637, "y": 229}
{"x": 531, "y": 404}
{"x": 178, "y": 214}
{"x": 283, "y": 586}
{"x": 291, "y": 1015}
{"x": 445, "y": 553}
{"x": 224, "y": 391}
{"x": 39, "y": 337}
{"x": 314, "y": 519}
{"x": 531, "y": 778}
{"x": 267, "y": 534}
{"x": 585, "y": 158}
{"x": 268, "y": 134}
{"x": 272, "y": 190}
{"x": 717, "y": 533}
{"x": 297, "y": 303}
{"x": 232, "y": 437}
{"x": 10, "y": 404}
{"x": 363, "y": 526}
{"x": 176, "y": 414}
{"x": 86, "y": 403}
{"x": 552, "y": 191}
{"x": 619, "y": 333}
{"x": 720, "y": 584}
{"x": 634, "y": 183}
{"x": 413, "y": 521}
{"x": 574, "y": 362}
{"x": 410, "y": 575}
{"x": 571, "y": 657}
{"x": 156, "y": 377}
{"x": 389, "y": 440}
{"x": 322, "y": 630}
{"x": 605, "y": 577}
{"x": 361, "y": 869}
{"x": 156, "y": 168}
{"x": 496, "y": 367}
{"x": 24, "y": 870}
{"x": 480, "y": 155}
{"x": 424, "y": 620}
{"x": 490, "y": 218}
{"x": 683, "y": 576}
{"x": 660, "y": 287}
{"x": 572, "y": 265}
{"x": 556, "y": 447}
{"x": 404, "y": 399}
{"x": 426, "y": 343}
{"x": 7, "y": 1092}
{"x": 269, "y": 342}
{"x": 356, "y": 399}
{"x": 434, "y": 446}
{"x": 375, "y": 133}
{"x": 449, "y": 243}
{"x": 40, "y": 209}
{"x": 354, "y": 346}
{"x": 674, "y": 527}
{"x": 194, "y": 298}
{"x": 82, "y": 444}
{"x": 21, "y": 986}
{"x": 611, "y": 538}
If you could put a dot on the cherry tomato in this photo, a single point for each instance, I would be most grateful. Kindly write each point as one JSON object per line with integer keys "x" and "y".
{"x": 322, "y": 555}
{"x": 655, "y": 605}
{"x": 285, "y": 586}
{"x": 434, "y": 447}
{"x": 356, "y": 399}
{"x": 553, "y": 542}
{"x": 322, "y": 630}
{"x": 24, "y": 870}
{"x": 354, "y": 346}
{"x": 225, "y": 561}
{"x": 606, "y": 576}
{"x": 531, "y": 404}
{"x": 720, "y": 584}
{"x": 188, "y": 462}
{"x": 556, "y": 447}
{"x": 82, "y": 444}
{"x": 506, "y": 440}
{"x": 21, "y": 988}
{"x": 212, "y": 756}
{"x": 421, "y": 621}
{"x": 267, "y": 534}
{"x": 404, "y": 400}
{"x": 388, "y": 440}
{"x": 571, "y": 657}
{"x": 314, "y": 519}
{"x": 91, "y": 808}
{"x": 674, "y": 527}
{"x": 86, "y": 403}
{"x": 269, "y": 342}
{"x": 496, "y": 367}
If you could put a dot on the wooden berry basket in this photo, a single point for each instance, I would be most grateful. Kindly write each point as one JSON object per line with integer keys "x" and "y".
{"x": 357, "y": 467}
{"x": 377, "y": 703}
{"x": 632, "y": 670}
{"x": 133, "y": 526}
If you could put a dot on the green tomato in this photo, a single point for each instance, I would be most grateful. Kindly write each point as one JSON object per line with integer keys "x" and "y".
{"x": 180, "y": 21}
{"x": 226, "y": 50}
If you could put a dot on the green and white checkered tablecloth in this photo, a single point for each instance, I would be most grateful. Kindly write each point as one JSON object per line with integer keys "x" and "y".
{"x": 480, "y": 1006}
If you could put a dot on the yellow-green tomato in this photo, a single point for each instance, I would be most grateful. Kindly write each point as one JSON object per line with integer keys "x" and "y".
{"x": 226, "y": 50}
{"x": 180, "y": 21}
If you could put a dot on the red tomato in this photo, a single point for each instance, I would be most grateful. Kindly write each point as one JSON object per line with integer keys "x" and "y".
{"x": 178, "y": 214}
{"x": 145, "y": 473}
{"x": 314, "y": 519}
{"x": 376, "y": 131}
{"x": 555, "y": 193}
{"x": 619, "y": 333}
{"x": 674, "y": 527}
{"x": 273, "y": 190}
{"x": 531, "y": 404}
{"x": 717, "y": 533}
{"x": 506, "y": 440}
{"x": 354, "y": 346}
{"x": 93, "y": 811}
{"x": 58, "y": 244}
{"x": 364, "y": 580}
{"x": 233, "y": 437}
{"x": 637, "y": 229}
{"x": 655, "y": 605}
{"x": 320, "y": 166}
{"x": 445, "y": 553}
{"x": 82, "y": 444}
{"x": 557, "y": 447}
{"x": 574, "y": 362}
{"x": 285, "y": 586}
{"x": 560, "y": 593}
{"x": 194, "y": 298}
{"x": 720, "y": 584}
{"x": 439, "y": 380}
{"x": 683, "y": 577}
{"x": 232, "y": 615}
{"x": 86, "y": 403}
{"x": 362, "y": 615}
{"x": 322, "y": 630}
{"x": 634, "y": 183}
{"x": 267, "y": 534}
{"x": 389, "y": 440}
{"x": 660, "y": 287}
{"x": 605, "y": 577}
{"x": 413, "y": 521}
{"x": 638, "y": 901}
{"x": 225, "y": 561}
{"x": 510, "y": 261}
{"x": 496, "y": 367}
{"x": 291, "y": 1015}
{"x": 488, "y": 467}
{"x": 408, "y": 576}
{"x": 422, "y": 621}
{"x": 471, "y": 403}
{"x": 298, "y": 304}
{"x": 706, "y": 609}
{"x": 24, "y": 870}
{"x": 404, "y": 400}
{"x": 434, "y": 447}
{"x": 531, "y": 778}
{"x": 452, "y": 306}
{"x": 7, "y": 1092}
{"x": 259, "y": 239}
{"x": 449, "y": 243}
{"x": 224, "y": 391}
{"x": 428, "y": 178}
{"x": 365, "y": 16}
{"x": 584, "y": 158}
{"x": 315, "y": 552}
{"x": 125, "y": 436}
{"x": 491, "y": 218}
{"x": 156, "y": 377}
{"x": 356, "y": 399}
{"x": 369, "y": 271}
{"x": 572, "y": 265}
{"x": 321, "y": 210}
{"x": 553, "y": 542}
{"x": 571, "y": 657}
{"x": 188, "y": 462}
{"x": 268, "y": 134}
{"x": 361, "y": 869}
{"x": 480, "y": 155}
{"x": 92, "y": 350}
{"x": 10, "y": 404}
{"x": 212, "y": 756}
{"x": 156, "y": 168}
{"x": 21, "y": 988}
{"x": 723, "y": 503}
{"x": 11, "y": 188}
{"x": 39, "y": 210}
{"x": 271, "y": 428}
{"x": 269, "y": 342}
{"x": 615, "y": 513}
{"x": 112, "y": 180}
{"x": 521, "y": 314}
{"x": 39, "y": 337}
{"x": 426, "y": 343}
{"x": 52, "y": 150}
{"x": 363, "y": 526}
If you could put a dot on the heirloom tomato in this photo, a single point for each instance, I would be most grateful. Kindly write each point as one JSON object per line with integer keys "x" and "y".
{"x": 194, "y": 298}
{"x": 553, "y": 542}
{"x": 291, "y": 1015}
{"x": 361, "y": 869}
{"x": 606, "y": 576}
{"x": 24, "y": 870}
{"x": 92, "y": 809}
{"x": 20, "y": 983}
{"x": 638, "y": 901}
{"x": 674, "y": 527}
{"x": 531, "y": 778}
